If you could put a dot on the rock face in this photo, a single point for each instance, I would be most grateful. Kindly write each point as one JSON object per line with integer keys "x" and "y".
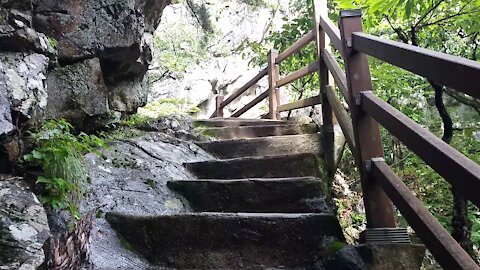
{"x": 132, "y": 179}
{"x": 22, "y": 87}
{"x": 103, "y": 50}
{"x": 23, "y": 226}
{"x": 79, "y": 101}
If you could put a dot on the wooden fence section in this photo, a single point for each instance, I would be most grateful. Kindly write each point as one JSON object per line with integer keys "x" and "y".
{"x": 382, "y": 188}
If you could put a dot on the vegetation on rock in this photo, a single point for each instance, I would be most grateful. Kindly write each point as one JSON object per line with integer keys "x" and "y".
{"x": 59, "y": 153}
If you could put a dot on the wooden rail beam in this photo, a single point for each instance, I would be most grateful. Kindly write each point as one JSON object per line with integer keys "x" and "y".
{"x": 344, "y": 120}
{"x": 337, "y": 73}
{"x": 311, "y": 68}
{"x": 250, "y": 105}
{"x": 332, "y": 31}
{"x": 244, "y": 88}
{"x": 218, "y": 106}
{"x": 379, "y": 208}
{"x": 320, "y": 9}
{"x": 439, "y": 242}
{"x": 456, "y": 168}
{"x": 296, "y": 47}
{"x": 273, "y": 91}
{"x": 308, "y": 102}
{"x": 452, "y": 71}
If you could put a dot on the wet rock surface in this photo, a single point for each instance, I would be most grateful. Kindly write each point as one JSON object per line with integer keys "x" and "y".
{"x": 257, "y": 167}
{"x": 131, "y": 178}
{"x": 228, "y": 240}
{"x": 23, "y": 90}
{"x": 103, "y": 50}
{"x": 376, "y": 256}
{"x": 23, "y": 226}
{"x": 283, "y": 195}
{"x": 77, "y": 102}
{"x": 269, "y": 146}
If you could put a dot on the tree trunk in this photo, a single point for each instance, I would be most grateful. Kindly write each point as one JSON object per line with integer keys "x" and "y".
{"x": 461, "y": 225}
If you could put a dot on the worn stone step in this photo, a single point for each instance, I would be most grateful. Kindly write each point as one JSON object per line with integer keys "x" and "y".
{"x": 244, "y": 132}
{"x": 236, "y": 122}
{"x": 265, "y": 146}
{"x": 264, "y": 195}
{"x": 227, "y": 240}
{"x": 297, "y": 165}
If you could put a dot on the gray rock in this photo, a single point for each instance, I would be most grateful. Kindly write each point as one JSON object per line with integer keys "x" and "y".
{"x": 132, "y": 178}
{"x": 127, "y": 96}
{"x": 228, "y": 240}
{"x": 266, "y": 146}
{"x": 377, "y": 256}
{"x": 77, "y": 93}
{"x": 22, "y": 86}
{"x": 23, "y": 226}
{"x": 283, "y": 195}
{"x": 90, "y": 27}
{"x": 298, "y": 165}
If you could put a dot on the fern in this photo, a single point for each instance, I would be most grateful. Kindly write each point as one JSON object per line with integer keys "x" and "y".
{"x": 60, "y": 155}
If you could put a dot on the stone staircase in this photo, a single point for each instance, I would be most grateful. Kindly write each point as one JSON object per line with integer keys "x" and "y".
{"x": 261, "y": 205}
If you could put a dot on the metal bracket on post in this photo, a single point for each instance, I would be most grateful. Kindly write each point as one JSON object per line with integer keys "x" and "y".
{"x": 385, "y": 236}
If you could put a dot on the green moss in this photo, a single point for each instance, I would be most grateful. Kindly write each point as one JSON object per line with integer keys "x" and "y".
{"x": 126, "y": 245}
{"x": 206, "y": 132}
{"x": 334, "y": 247}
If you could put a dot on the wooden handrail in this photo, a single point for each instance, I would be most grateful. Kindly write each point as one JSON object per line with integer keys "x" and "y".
{"x": 308, "y": 102}
{"x": 296, "y": 47}
{"x": 457, "y": 169}
{"x": 337, "y": 73}
{"x": 311, "y": 68}
{"x": 333, "y": 33}
{"x": 452, "y": 71}
{"x": 250, "y": 105}
{"x": 343, "y": 119}
{"x": 380, "y": 185}
{"x": 244, "y": 88}
{"x": 439, "y": 242}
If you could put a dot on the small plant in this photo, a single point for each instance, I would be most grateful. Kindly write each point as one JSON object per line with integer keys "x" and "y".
{"x": 59, "y": 153}
{"x": 53, "y": 42}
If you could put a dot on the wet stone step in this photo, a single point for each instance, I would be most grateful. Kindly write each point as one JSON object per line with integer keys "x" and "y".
{"x": 243, "y": 132}
{"x": 236, "y": 122}
{"x": 229, "y": 241}
{"x": 267, "y": 195}
{"x": 266, "y": 146}
{"x": 284, "y": 166}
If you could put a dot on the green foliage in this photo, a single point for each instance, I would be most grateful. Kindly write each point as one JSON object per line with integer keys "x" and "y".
{"x": 177, "y": 47}
{"x": 443, "y": 25}
{"x": 165, "y": 107}
{"x": 59, "y": 153}
{"x": 53, "y": 42}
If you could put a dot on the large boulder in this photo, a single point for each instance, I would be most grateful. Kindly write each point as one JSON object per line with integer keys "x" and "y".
{"x": 23, "y": 226}
{"x": 77, "y": 92}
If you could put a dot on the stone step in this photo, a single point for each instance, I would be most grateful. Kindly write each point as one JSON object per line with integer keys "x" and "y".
{"x": 237, "y": 122}
{"x": 227, "y": 240}
{"x": 265, "y": 146}
{"x": 265, "y": 195}
{"x": 284, "y": 166}
{"x": 244, "y": 132}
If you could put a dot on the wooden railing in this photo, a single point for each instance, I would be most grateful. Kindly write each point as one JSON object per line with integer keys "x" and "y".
{"x": 382, "y": 188}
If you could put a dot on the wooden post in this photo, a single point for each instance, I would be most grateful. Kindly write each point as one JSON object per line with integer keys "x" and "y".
{"x": 322, "y": 41}
{"x": 378, "y": 207}
{"x": 218, "y": 106}
{"x": 273, "y": 92}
